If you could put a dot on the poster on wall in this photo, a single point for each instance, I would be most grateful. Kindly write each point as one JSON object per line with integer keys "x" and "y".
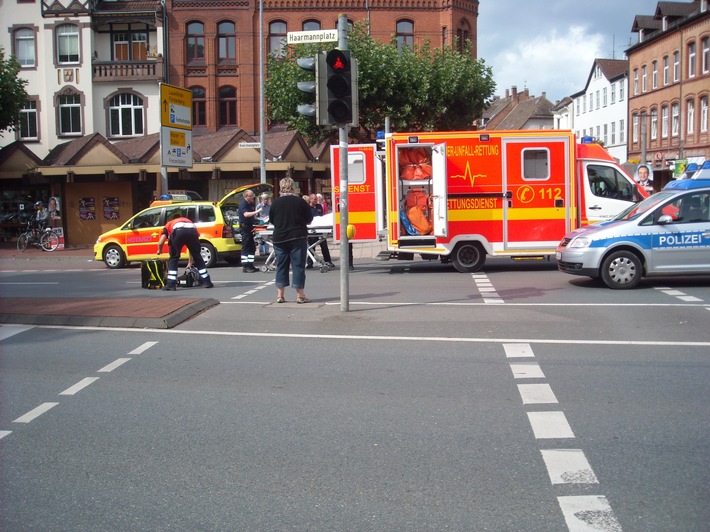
{"x": 55, "y": 213}
{"x": 87, "y": 209}
{"x": 111, "y": 208}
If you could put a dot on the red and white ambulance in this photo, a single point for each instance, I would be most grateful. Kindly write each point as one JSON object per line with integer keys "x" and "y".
{"x": 461, "y": 196}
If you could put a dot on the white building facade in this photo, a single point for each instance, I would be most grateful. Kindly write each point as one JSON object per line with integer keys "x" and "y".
{"x": 600, "y": 110}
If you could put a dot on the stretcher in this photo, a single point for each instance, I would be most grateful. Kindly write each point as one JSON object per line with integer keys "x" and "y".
{"x": 317, "y": 234}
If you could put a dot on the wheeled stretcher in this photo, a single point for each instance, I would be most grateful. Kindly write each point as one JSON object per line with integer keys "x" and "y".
{"x": 316, "y": 236}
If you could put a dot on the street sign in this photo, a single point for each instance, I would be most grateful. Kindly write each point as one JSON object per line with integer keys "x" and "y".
{"x": 310, "y": 37}
{"x": 175, "y": 147}
{"x": 253, "y": 145}
{"x": 175, "y": 107}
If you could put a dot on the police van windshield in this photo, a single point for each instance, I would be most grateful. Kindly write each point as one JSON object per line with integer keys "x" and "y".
{"x": 640, "y": 208}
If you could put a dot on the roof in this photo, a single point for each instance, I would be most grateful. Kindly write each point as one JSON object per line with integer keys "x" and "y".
{"x": 70, "y": 153}
{"x": 675, "y": 9}
{"x": 539, "y": 107}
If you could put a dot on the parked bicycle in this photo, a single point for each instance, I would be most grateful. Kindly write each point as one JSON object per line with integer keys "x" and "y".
{"x": 45, "y": 238}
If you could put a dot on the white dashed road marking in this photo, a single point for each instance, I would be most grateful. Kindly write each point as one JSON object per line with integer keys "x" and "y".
{"x": 113, "y": 365}
{"x": 83, "y": 383}
{"x": 588, "y": 513}
{"x": 568, "y": 466}
{"x": 550, "y": 425}
{"x": 35, "y": 413}
{"x": 533, "y": 394}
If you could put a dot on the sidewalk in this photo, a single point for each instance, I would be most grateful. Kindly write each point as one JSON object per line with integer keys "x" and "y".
{"x": 139, "y": 312}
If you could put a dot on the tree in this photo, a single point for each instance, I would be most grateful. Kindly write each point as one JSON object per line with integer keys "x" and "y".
{"x": 12, "y": 92}
{"x": 419, "y": 89}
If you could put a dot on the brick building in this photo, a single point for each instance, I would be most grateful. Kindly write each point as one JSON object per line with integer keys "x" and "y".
{"x": 214, "y": 45}
{"x": 669, "y": 87}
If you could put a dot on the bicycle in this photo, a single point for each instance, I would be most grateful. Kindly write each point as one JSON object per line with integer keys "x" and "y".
{"x": 46, "y": 239}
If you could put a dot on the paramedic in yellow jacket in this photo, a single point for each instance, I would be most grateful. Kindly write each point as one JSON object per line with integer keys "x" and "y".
{"x": 181, "y": 232}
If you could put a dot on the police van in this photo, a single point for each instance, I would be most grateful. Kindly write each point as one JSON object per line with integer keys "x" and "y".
{"x": 667, "y": 233}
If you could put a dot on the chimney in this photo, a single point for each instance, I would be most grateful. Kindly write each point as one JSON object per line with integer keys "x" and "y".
{"x": 544, "y": 94}
{"x": 516, "y": 100}
{"x": 507, "y": 94}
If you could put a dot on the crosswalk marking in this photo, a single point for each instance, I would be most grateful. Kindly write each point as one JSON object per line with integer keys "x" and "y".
{"x": 533, "y": 394}
{"x": 568, "y": 466}
{"x": 588, "y": 513}
{"x": 550, "y": 425}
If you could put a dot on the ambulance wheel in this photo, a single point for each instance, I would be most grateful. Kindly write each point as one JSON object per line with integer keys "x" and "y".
{"x": 468, "y": 257}
{"x": 114, "y": 258}
{"x": 622, "y": 269}
{"x": 209, "y": 255}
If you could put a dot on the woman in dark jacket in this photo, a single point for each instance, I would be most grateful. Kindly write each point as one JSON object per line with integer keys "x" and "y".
{"x": 290, "y": 216}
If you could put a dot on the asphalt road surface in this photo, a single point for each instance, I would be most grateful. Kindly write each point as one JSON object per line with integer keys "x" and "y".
{"x": 515, "y": 399}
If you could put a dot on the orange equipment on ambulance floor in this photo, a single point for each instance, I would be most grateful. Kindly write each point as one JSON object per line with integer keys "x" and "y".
{"x": 461, "y": 196}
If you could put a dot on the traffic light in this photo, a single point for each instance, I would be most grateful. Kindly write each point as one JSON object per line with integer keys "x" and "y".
{"x": 310, "y": 87}
{"x": 340, "y": 80}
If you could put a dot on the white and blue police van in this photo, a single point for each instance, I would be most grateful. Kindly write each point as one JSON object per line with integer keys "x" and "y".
{"x": 667, "y": 233}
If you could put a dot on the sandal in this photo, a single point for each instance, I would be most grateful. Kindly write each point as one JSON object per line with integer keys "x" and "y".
{"x": 303, "y": 299}
{"x": 280, "y": 300}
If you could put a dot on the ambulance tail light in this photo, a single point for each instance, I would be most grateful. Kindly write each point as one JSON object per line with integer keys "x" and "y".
{"x": 227, "y": 231}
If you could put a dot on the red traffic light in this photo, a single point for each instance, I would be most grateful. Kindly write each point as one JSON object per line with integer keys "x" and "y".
{"x": 338, "y": 61}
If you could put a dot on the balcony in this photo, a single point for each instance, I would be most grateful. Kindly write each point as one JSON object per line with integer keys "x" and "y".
{"x": 151, "y": 69}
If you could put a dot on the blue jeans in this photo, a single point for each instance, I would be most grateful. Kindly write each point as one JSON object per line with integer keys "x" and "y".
{"x": 291, "y": 254}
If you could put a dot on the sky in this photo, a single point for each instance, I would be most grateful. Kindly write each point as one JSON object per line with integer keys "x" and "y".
{"x": 550, "y": 45}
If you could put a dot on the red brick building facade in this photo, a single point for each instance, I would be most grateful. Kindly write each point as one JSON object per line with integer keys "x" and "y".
{"x": 214, "y": 44}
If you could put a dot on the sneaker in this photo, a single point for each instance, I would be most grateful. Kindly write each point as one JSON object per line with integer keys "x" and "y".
{"x": 330, "y": 264}
{"x": 169, "y": 287}
{"x": 208, "y": 284}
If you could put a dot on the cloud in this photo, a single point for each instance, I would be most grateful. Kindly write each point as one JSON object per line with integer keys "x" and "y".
{"x": 552, "y": 62}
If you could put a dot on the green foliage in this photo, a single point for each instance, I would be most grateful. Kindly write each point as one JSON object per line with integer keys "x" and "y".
{"x": 419, "y": 89}
{"x": 12, "y": 92}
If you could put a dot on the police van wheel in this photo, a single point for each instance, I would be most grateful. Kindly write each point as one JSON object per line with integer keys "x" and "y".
{"x": 468, "y": 257}
{"x": 621, "y": 270}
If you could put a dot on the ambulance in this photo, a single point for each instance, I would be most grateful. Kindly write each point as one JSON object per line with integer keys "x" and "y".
{"x": 463, "y": 196}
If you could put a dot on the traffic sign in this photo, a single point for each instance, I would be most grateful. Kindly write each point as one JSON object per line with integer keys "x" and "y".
{"x": 175, "y": 107}
{"x": 311, "y": 37}
{"x": 175, "y": 147}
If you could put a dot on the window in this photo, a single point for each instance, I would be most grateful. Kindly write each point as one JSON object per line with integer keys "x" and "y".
{"x": 125, "y": 115}
{"x": 604, "y": 97}
{"x": 636, "y": 82}
{"x": 405, "y": 34}
{"x": 69, "y": 109}
{"x": 613, "y": 93}
{"x": 584, "y": 104}
{"x": 28, "y": 121}
{"x": 226, "y": 41}
{"x": 605, "y": 138}
{"x": 654, "y": 123}
{"x": 635, "y": 129}
{"x": 199, "y": 106}
{"x": 622, "y": 132}
{"x": 25, "y": 47}
{"x": 705, "y": 58}
{"x": 664, "y": 121}
{"x": 613, "y": 133}
{"x": 676, "y": 66}
{"x": 607, "y": 182}
{"x": 67, "y": 44}
{"x": 591, "y": 102}
{"x": 643, "y": 79}
{"x": 577, "y": 106}
{"x": 675, "y": 115}
{"x": 130, "y": 46}
{"x": 622, "y": 84}
{"x": 463, "y": 35}
{"x": 690, "y": 105}
{"x": 195, "y": 41}
{"x": 277, "y": 38}
{"x": 536, "y": 164}
{"x": 654, "y": 75}
{"x": 704, "y": 114}
{"x": 227, "y": 106}
{"x": 691, "y": 60}
{"x": 311, "y": 25}
{"x": 666, "y": 68}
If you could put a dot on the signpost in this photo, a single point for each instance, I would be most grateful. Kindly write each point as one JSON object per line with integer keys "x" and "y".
{"x": 175, "y": 127}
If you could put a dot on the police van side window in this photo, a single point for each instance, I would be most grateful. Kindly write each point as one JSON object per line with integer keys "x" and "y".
{"x": 693, "y": 208}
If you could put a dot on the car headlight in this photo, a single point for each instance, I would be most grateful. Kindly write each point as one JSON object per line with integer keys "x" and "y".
{"x": 580, "y": 242}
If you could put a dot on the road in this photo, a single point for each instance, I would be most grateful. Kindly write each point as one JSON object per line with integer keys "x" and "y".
{"x": 519, "y": 398}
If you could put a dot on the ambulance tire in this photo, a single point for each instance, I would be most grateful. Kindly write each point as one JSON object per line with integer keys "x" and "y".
{"x": 209, "y": 255}
{"x": 622, "y": 270}
{"x": 468, "y": 257}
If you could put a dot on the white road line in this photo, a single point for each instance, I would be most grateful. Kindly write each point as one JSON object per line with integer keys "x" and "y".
{"x": 550, "y": 425}
{"x": 673, "y": 292}
{"x": 568, "y": 466}
{"x": 113, "y": 365}
{"x": 83, "y": 383}
{"x": 536, "y": 394}
{"x": 518, "y": 351}
{"x": 588, "y": 513}
{"x": 138, "y": 350}
{"x": 32, "y": 283}
{"x": 689, "y": 298}
{"x": 385, "y": 338}
{"x": 527, "y": 371}
{"x": 4, "y": 433}
{"x": 35, "y": 413}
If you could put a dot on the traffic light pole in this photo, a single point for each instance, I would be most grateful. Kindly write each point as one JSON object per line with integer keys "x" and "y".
{"x": 343, "y": 159}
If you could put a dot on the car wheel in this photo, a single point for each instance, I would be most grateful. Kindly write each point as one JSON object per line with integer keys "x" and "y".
{"x": 114, "y": 257}
{"x": 468, "y": 257}
{"x": 622, "y": 269}
{"x": 209, "y": 255}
